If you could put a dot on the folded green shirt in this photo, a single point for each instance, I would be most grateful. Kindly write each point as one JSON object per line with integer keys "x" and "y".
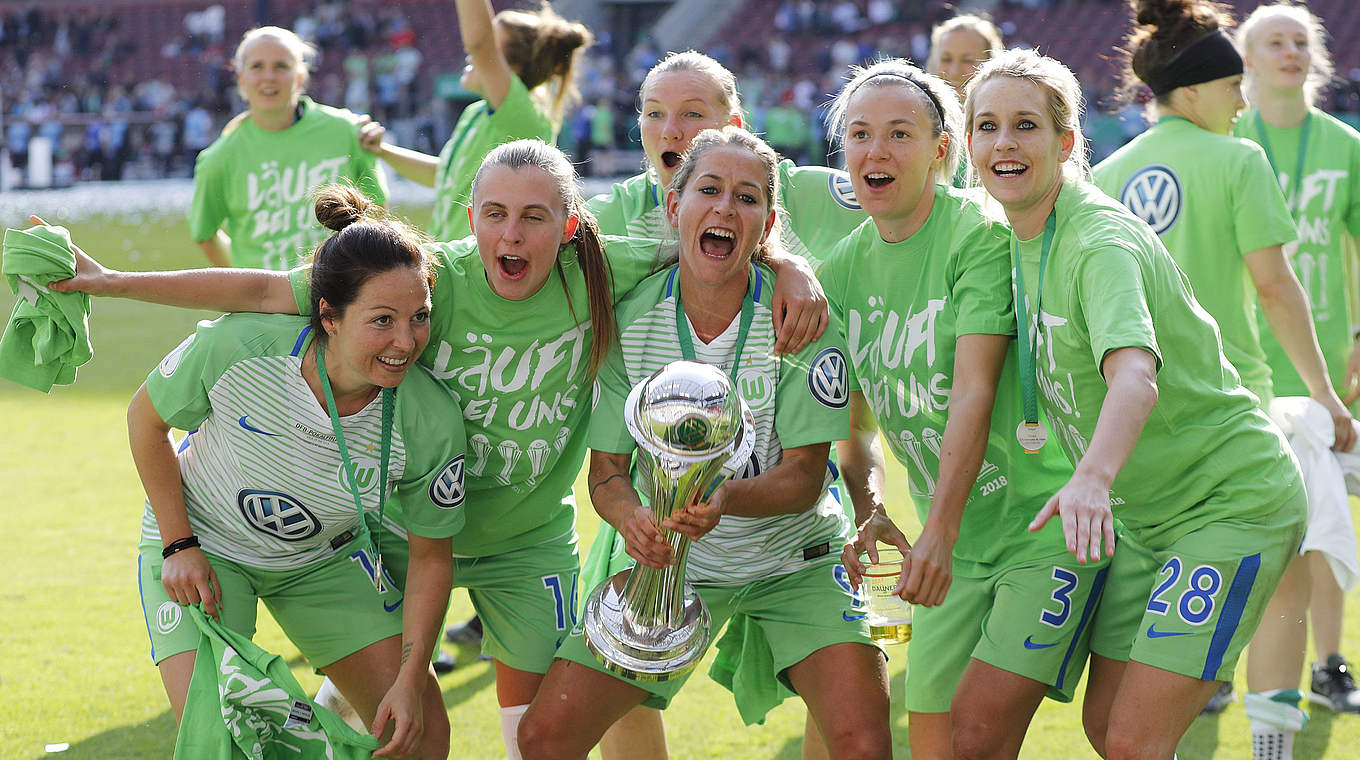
{"x": 48, "y": 335}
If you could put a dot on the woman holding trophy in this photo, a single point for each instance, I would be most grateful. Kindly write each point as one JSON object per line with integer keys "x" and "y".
{"x": 767, "y": 559}
{"x": 534, "y": 290}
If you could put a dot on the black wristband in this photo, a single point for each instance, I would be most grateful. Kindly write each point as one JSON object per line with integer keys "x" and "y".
{"x": 179, "y": 545}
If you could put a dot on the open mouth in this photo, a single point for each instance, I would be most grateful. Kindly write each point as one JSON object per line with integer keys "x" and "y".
{"x": 670, "y": 159}
{"x": 512, "y": 267}
{"x": 393, "y": 364}
{"x": 717, "y": 242}
{"x": 1009, "y": 169}
{"x": 878, "y": 179}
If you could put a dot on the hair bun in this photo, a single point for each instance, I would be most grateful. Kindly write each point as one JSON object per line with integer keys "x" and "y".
{"x": 1172, "y": 13}
{"x": 339, "y": 206}
{"x": 575, "y": 35}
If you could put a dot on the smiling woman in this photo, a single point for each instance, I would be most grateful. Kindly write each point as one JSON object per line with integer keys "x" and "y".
{"x": 226, "y": 526}
{"x": 1113, "y": 344}
{"x": 929, "y": 256}
{"x": 258, "y": 176}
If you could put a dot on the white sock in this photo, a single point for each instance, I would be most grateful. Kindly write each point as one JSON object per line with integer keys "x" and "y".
{"x": 330, "y": 698}
{"x": 1275, "y": 718}
{"x": 510, "y": 717}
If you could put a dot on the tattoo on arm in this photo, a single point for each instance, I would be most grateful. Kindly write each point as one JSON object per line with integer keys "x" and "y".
{"x": 405, "y": 652}
{"x": 594, "y": 486}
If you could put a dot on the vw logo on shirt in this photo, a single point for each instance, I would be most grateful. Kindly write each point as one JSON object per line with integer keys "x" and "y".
{"x": 1153, "y": 194}
{"x": 277, "y": 514}
{"x": 828, "y": 379}
{"x": 842, "y": 191}
{"x": 171, "y": 361}
{"x": 446, "y": 489}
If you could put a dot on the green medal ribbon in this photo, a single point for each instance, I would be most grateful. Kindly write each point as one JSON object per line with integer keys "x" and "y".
{"x": 1028, "y": 340}
{"x": 1298, "y": 167}
{"x": 389, "y": 396}
{"x": 748, "y": 310}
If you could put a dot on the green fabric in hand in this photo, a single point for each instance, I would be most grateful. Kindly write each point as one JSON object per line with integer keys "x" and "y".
{"x": 48, "y": 334}
{"x": 243, "y": 702}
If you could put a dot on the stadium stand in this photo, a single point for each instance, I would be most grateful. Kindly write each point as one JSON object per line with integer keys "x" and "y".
{"x": 134, "y": 88}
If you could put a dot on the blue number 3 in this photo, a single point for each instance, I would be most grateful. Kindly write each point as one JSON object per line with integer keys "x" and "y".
{"x": 1067, "y": 583}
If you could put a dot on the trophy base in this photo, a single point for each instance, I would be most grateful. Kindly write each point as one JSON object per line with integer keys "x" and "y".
{"x": 643, "y": 654}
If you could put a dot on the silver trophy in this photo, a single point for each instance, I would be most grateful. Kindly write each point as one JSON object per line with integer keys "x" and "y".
{"x": 693, "y": 433}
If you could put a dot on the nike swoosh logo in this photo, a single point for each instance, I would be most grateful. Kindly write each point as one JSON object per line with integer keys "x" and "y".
{"x": 847, "y": 617}
{"x": 253, "y": 429}
{"x": 1029, "y": 644}
{"x": 1153, "y": 633}
{"x": 394, "y": 606}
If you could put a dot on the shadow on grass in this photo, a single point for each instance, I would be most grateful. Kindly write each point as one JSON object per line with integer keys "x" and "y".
{"x": 148, "y": 739}
{"x": 1201, "y": 740}
{"x": 467, "y": 660}
{"x": 792, "y": 750}
{"x": 1312, "y": 741}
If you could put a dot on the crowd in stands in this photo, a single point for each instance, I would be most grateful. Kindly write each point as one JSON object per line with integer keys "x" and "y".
{"x": 62, "y": 78}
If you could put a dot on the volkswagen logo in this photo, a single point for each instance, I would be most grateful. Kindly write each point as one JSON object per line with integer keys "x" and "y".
{"x": 828, "y": 379}
{"x": 1153, "y": 194}
{"x": 842, "y": 191}
{"x": 446, "y": 489}
{"x": 277, "y": 514}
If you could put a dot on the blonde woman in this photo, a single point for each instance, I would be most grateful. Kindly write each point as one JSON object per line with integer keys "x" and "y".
{"x": 257, "y": 179}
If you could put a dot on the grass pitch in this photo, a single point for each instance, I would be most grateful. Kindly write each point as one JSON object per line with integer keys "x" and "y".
{"x": 74, "y": 664}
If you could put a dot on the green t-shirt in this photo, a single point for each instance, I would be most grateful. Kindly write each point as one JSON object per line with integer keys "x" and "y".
{"x": 819, "y": 203}
{"x": 519, "y": 370}
{"x": 1207, "y": 452}
{"x": 1212, "y": 199}
{"x": 1326, "y": 211}
{"x": 260, "y": 183}
{"x": 237, "y": 384}
{"x": 796, "y": 400}
{"x": 903, "y": 306}
{"x": 478, "y": 131}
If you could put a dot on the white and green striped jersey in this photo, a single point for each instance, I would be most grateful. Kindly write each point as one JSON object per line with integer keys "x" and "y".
{"x": 819, "y": 207}
{"x": 264, "y": 482}
{"x": 796, "y": 400}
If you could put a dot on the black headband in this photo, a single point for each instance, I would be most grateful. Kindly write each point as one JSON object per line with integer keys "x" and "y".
{"x": 1210, "y": 57}
{"x": 939, "y": 111}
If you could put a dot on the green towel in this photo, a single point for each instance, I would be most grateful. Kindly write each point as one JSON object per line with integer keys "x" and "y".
{"x": 48, "y": 335}
{"x": 244, "y": 703}
{"x": 745, "y": 665}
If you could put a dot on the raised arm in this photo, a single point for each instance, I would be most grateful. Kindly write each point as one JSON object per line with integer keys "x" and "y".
{"x": 1286, "y": 309}
{"x": 928, "y": 569}
{"x": 411, "y": 164}
{"x": 611, "y": 491}
{"x": 1084, "y": 502}
{"x": 187, "y": 576}
{"x": 215, "y": 288}
{"x": 861, "y": 461}
{"x": 476, "y": 24}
